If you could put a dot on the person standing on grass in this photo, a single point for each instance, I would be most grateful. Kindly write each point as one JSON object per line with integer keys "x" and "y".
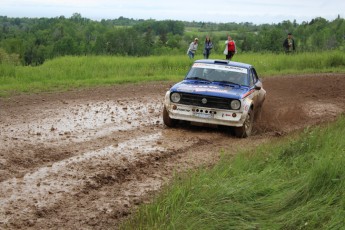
{"x": 230, "y": 48}
{"x": 207, "y": 48}
{"x": 192, "y": 48}
{"x": 289, "y": 44}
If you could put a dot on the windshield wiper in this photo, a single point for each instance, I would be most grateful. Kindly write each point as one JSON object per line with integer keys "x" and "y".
{"x": 228, "y": 82}
{"x": 197, "y": 78}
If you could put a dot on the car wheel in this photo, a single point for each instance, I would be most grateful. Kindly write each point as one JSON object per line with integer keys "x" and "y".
{"x": 246, "y": 129}
{"x": 167, "y": 120}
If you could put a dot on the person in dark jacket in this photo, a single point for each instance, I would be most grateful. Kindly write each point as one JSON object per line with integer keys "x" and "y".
{"x": 207, "y": 48}
{"x": 289, "y": 44}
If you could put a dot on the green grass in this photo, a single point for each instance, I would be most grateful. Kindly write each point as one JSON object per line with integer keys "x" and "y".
{"x": 87, "y": 71}
{"x": 301, "y": 63}
{"x": 298, "y": 183}
{"x": 69, "y": 72}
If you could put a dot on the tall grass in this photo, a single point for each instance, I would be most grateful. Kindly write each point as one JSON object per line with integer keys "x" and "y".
{"x": 298, "y": 183}
{"x": 68, "y": 72}
{"x": 86, "y": 71}
{"x": 276, "y": 64}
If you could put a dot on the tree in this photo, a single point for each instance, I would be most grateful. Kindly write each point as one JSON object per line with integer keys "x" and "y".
{"x": 37, "y": 39}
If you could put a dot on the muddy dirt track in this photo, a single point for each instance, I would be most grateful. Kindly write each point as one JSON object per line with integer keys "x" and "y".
{"x": 85, "y": 159}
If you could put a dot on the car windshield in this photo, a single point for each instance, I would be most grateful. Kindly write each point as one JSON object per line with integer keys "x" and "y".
{"x": 219, "y": 73}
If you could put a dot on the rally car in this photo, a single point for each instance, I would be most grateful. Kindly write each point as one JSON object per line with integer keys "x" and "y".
{"x": 217, "y": 92}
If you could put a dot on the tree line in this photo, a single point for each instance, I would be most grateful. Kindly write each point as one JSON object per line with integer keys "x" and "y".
{"x": 31, "y": 41}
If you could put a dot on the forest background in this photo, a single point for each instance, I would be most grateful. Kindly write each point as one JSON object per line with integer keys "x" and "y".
{"x": 32, "y": 41}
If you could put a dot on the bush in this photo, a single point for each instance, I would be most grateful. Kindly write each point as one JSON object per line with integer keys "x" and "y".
{"x": 6, "y": 58}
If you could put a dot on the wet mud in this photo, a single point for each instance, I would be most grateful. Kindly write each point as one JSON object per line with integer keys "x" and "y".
{"x": 87, "y": 158}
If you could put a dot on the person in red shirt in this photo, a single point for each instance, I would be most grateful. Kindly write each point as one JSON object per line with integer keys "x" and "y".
{"x": 230, "y": 48}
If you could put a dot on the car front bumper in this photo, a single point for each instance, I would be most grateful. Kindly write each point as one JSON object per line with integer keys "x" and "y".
{"x": 206, "y": 115}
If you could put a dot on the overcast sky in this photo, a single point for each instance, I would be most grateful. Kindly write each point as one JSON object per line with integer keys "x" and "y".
{"x": 257, "y": 12}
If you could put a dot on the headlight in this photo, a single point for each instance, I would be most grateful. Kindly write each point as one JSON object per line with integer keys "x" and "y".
{"x": 175, "y": 97}
{"x": 235, "y": 104}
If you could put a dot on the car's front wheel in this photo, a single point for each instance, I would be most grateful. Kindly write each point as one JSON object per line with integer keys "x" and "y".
{"x": 246, "y": 129}
{"x": 167, "y": 120}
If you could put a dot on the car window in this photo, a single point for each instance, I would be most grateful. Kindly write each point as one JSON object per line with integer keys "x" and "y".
{"x": 255, "y": 76}
{"x": 251, "y": 78}
{"x": 219, "y": 75}
{"x": 195, "y": 72}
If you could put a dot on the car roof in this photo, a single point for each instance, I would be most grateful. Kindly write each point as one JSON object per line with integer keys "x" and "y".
{"x": 224, "y": 62}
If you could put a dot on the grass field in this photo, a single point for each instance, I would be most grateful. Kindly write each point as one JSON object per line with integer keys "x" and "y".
{"x": 298, "y": 183}
{"x": 71, "y": 72}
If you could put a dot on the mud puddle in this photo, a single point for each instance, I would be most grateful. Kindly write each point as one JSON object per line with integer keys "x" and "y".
{"x": 81, "y": 122}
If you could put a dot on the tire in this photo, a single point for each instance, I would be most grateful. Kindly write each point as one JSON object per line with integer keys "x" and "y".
{"x": 167, "y": 120}
{"x": 246, "y": 129}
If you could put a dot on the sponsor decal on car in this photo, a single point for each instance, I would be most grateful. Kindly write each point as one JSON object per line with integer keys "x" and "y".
{"x": 248, "y": 93}
{"x": 201, "y": 88}
{"x": 183, "y": 110}
{"x": 220, "y": 67}
{"x": 226, "y": 115}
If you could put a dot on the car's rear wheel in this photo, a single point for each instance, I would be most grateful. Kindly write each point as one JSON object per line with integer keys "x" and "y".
{"x": 246, "y": 129}
{"x": 167, "y": 120}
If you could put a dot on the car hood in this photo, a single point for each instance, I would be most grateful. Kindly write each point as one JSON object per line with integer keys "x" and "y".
{"x": 215, "y": 89}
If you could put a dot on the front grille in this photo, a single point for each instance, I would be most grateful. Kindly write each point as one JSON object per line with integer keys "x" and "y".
{"x": 212, "y": 102}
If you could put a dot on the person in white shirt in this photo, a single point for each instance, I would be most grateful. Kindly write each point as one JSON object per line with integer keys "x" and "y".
{"x": 192, "y": 48}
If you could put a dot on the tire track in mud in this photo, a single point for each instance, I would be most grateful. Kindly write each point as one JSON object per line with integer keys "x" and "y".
{"x": 65, "y": 131}
{"x": 50, "y": 187}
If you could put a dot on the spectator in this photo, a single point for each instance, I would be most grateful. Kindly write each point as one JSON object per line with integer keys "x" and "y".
{"x": 207, "y": 48}
{"x": 230, "y": 48}
{"x": 192, "y": 48}
{"x": 289, "y": 44}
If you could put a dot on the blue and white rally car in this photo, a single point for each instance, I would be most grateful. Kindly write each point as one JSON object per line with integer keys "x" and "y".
{"x": 216, "y": 92}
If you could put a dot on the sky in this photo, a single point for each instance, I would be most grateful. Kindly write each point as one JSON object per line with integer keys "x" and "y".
{"x": 256, "y": 12}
